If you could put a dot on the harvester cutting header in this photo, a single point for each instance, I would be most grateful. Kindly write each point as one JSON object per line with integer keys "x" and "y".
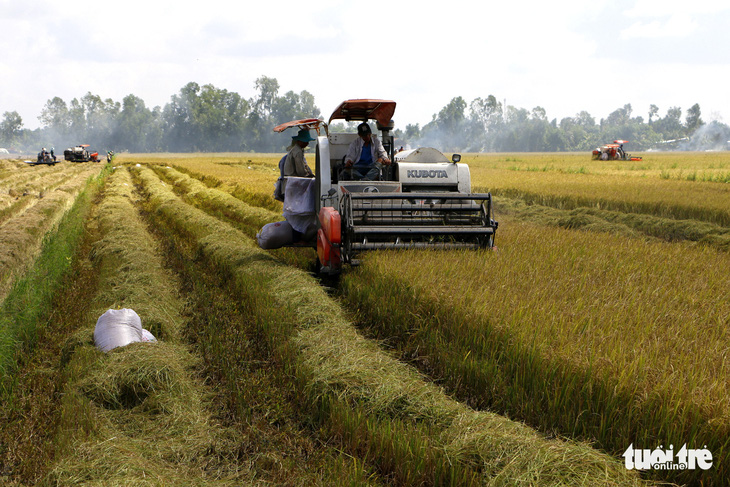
{"x": 417, "y": 199}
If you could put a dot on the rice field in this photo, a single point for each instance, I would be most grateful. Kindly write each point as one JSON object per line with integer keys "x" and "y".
{"x": 600, "y": 322}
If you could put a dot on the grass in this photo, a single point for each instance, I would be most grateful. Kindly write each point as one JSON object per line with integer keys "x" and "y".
{"x": 618, "y": 202}
{"x": 636, "y": 225}
{"x": 586, "y": 334}
{"x": 30, "y": 219}
{"x": 147, "y": 414}
{"x": 31, "y": 296}
{"x": 250, "y": 177}
{"x": 537, "y": 329}
{"x": 353, "y": 391}
{"x": 570, "y": 181}
{"x": 139, "y": 414}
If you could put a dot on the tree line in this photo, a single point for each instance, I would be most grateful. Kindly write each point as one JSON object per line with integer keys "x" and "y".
{"x": 485, "y": 125}
{"x": 209, "y": 119}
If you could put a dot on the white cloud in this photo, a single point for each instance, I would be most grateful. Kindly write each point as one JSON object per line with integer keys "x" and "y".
{"x": 567, "y": 56}
{"x": 676, "y": 26}
{"x": 662, "y": 8}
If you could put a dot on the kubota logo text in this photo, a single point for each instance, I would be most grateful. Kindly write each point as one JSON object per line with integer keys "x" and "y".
{"x": 425, "y": 173}
{"x": 684, "y": 459}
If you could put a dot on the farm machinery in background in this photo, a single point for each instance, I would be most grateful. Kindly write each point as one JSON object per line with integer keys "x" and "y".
{"x": 80, "y": 153}
{"x": 423, "y": 200}
{"x": 613, "y": 152}
{"x": 44, "y": 157}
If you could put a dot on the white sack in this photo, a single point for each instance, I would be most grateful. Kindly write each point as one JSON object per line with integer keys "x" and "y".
{"x": 147, "y": 336}
{"x": 118, "y": 328}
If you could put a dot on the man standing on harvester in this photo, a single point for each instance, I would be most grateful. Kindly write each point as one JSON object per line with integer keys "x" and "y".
{"x": 365, "y": 157}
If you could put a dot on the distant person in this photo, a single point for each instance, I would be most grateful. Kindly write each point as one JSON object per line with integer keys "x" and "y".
{"x": 53, "y": 156}
{"x": 365, "y": 157}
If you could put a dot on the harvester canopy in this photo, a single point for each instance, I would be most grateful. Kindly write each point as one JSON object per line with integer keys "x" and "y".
{"x": 305, "y": 123}
{"x": 365, "y": 109}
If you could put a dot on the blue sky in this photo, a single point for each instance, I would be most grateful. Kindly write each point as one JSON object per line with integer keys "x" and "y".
{"x": 565, "y": 55}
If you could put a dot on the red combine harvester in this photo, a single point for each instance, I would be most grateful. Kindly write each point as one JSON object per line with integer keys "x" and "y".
{"x": 613, "y": 152}
{"x": 80, "y": 153}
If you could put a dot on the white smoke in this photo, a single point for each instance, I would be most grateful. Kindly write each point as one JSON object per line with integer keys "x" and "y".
{"x": 708, "y": 137}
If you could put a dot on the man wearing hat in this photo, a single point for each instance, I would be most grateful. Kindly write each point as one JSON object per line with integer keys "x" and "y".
{"x": 366, "y": 155}
{"x": 295, "y": 164}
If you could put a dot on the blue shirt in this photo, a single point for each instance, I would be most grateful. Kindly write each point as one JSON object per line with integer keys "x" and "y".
{"x": 366, "y": 156}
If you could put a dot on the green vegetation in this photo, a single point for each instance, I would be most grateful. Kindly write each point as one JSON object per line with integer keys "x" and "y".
{"x": 356, "y": 395}
{"x": 600, "y": 322}
{"x": 589, "y": 335}
{"x": 210, "y": 119}
{"x": 610, "y": 282}
{"x": 30, "y": 298}
{"x": 139, "y": 412}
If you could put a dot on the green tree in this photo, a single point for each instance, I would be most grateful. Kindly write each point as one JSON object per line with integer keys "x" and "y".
{"x": 539, "y": 113}
{"x": 55, "y": 117}
{"x": 653, "y": 111}
{"x": 205, "y": 119}
{"x": 670, "y": 126}
{"x": 619, "y": 117}
{"x": 446, "y": 130}
{"x": 262, "y": 117}
{"x": 412, "y": 133}
{"x": 138, "y": 127}
{"x": 585, "y": 120}
{"x": 181, "y": 133}
{"x": 693, "y": 120}
{"x": 268, "y": 89}
{"x": 11, "y": 128}
{"x": 485, "y": 118}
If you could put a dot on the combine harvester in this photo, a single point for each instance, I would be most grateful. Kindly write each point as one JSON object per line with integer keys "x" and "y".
{"x": 80, "y": 153}
{"x": 613, "y": 152}
{"x": 421, "y": 201}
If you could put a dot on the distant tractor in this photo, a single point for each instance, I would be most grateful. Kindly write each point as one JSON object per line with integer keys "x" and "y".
{"x": 80, "y": 153}
{"x": 613, "y": 152}
{"x": 44, "y": 157}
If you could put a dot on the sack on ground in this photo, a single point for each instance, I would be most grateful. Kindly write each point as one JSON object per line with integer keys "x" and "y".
{"x": 275, "y": 235}
{"x": 118, "y": 328}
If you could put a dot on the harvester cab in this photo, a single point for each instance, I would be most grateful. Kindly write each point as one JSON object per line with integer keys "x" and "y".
{"x": 421, "y": 200}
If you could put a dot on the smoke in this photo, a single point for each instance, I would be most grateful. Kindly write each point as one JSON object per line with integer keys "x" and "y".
{"x": 713, "y": 136}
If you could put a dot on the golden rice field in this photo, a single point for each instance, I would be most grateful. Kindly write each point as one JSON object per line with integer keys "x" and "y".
{"x": 599, "y": 322}
{"x": 626, "y": 323}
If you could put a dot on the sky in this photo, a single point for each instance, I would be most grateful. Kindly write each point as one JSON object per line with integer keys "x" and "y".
{"x": 565, "y": 56}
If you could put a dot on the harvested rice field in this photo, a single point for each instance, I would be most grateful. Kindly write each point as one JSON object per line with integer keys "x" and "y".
{"x": 593, "y": 337}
